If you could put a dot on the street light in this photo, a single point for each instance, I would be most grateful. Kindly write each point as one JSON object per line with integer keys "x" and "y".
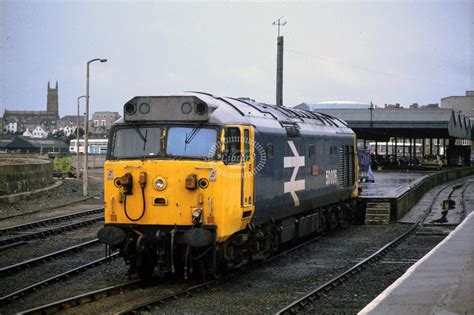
{"x": 86, "y": 130}
{"x": 77, "y": 136}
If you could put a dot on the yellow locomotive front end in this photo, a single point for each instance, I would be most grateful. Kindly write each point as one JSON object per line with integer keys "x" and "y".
{"x": 175, "y": 185}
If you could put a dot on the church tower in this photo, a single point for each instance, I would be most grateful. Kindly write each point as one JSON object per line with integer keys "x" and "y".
{"x": 52, "y": 103}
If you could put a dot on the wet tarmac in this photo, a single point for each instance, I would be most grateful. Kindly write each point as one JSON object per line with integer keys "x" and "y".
{"x": 391, "y": 184}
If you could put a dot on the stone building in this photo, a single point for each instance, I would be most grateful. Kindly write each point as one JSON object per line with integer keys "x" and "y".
{"x": 102, "y": 121}
{"x": 70, "y": 121}
{"x": 463, "y": 104}
{"x": 18, "y": 121}
{"x": 68, "y": 124}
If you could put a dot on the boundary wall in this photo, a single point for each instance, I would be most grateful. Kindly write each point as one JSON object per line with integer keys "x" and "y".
{"x": 19, "y": 175}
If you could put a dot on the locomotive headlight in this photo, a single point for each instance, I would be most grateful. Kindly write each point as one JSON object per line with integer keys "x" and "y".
{"x": 160, "y": 183}
{"x": 130, "y": 108}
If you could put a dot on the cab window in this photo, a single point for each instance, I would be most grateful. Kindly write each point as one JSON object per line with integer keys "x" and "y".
{"x": 232, "y": 153}
{"x": 191, "y": 142}
{"x": 246, "y": 145}
{"x": 137, "y": 142}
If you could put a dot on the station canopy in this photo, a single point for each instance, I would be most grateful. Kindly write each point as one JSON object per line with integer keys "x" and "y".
{"x": 380, "y": 124}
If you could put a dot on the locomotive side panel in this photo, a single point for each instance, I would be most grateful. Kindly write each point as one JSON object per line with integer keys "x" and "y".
{"x": 310, "y": 179}
{"x": 270, "y": 176}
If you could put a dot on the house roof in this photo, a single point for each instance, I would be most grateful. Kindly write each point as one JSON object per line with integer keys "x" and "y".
{"x": 71, "y": 118}
{"x": 24, "y": 143}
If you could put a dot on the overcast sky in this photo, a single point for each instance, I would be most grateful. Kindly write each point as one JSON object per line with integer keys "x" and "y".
{"x": 385, "y": 52}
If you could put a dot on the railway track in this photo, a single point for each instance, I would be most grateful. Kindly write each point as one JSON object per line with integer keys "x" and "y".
{"x": 83, "y": 298}
{"x": 96, "y": 295}
{"x": 41, "y": 224}
{"x": 46, "y": 222}
{"x": 45, "y": 258}
{"x": 152, "y": 304}
{"x": 19, "y": 293}
{"x": 303, "y": 302}
{"x": 49, "y": 208}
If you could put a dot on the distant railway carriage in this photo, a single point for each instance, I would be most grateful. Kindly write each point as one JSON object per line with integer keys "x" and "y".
{"x": 199, "y": 180}
{"x": 96, "y": 146}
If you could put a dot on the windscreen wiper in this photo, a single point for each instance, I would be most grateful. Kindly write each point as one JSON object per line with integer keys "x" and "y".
{"x": 143, "y": 137}
{"x": 193, "y": 133}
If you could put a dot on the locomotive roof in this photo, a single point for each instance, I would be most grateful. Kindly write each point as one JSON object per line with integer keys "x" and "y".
{"x": 229, "y": 110}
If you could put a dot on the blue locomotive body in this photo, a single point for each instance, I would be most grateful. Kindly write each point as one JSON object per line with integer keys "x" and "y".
{"x": 309, "y": 173}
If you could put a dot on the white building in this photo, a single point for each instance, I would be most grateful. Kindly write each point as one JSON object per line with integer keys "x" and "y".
{"x": 11, "y": 127}
{"x": 27, "y": 133}
{"x": 39, "y": 133}
{"x": 68, "y": 130}
{"x": 463, "y": 104}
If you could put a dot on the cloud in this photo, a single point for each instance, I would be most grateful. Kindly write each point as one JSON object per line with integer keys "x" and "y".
{"x": 386, "y": 52}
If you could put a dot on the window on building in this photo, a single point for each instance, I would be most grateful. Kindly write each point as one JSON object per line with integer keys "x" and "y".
{"x": 103, "y": 122}
{"x": 96, "y": 122}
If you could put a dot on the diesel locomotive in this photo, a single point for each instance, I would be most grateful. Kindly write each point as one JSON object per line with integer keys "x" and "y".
{"x": 197, "y": 182}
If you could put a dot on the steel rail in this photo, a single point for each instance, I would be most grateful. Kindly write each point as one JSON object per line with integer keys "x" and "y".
{"x": 82, "y": 298}
{"x": 4, "y": 247}
{"x": 42, "y": 259}
{"x": 313, "y": 295}
{"x": 26, "y": 226}
{"x": 50, "y": 232}
{"x": 310, "y": 297}
{"x": 22, "y": 292}
{"x": 50, "y": 208}
{"x": 147, "y": 306}
{"x": 118, "y": 289}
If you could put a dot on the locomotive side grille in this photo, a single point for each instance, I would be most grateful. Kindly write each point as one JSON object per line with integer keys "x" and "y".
{"x": 340, "y": 168}
{"x": 346, "y": 166}
{"x": 345, "y": 170}
{"x": 351, "y": 166}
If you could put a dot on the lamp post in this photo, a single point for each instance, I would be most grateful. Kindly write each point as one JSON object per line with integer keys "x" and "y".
{"x": 86, "y": 130}
{"x": 279, "y": 72}
{"x": 77, "y": 136}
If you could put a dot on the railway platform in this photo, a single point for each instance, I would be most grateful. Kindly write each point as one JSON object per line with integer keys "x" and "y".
{"x": 442, "y": 282}
{"x": 392, "y": 184}
{"x": 394, "y": 193}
